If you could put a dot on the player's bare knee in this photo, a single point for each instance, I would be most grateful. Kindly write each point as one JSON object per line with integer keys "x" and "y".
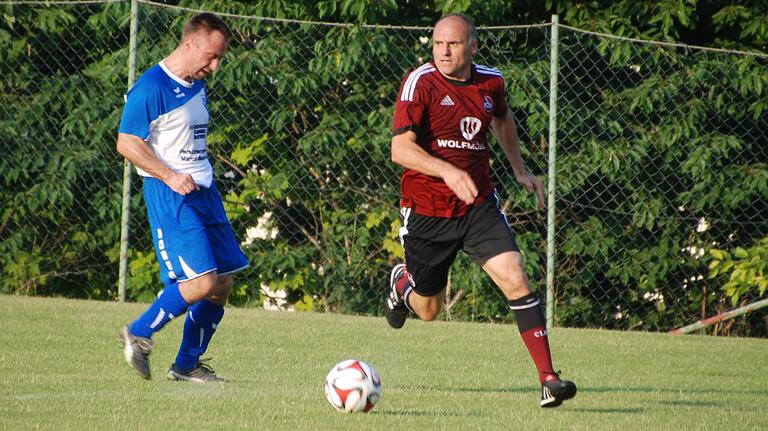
{"x": 513, "y": 283}
{"x": 516, "y": 288}
{"x": 206, "y": 285}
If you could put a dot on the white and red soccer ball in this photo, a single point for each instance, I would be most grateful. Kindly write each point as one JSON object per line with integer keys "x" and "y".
{"x": 352, "y": 386}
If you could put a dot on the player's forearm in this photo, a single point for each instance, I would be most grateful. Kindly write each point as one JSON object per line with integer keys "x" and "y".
{"x": 138, "y": 152}
{"x": 407, "y": 153}
{"x": 505, "y": 131}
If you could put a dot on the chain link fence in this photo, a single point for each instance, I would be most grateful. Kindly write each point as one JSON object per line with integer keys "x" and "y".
{"x": 660, "y": 156}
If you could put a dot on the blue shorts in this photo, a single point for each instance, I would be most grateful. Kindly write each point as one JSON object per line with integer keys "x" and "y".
{"x": 191, "y": 233}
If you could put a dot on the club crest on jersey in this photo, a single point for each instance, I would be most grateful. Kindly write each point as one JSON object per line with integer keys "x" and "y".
{"x": 469, "y": 127}
{"x": 487, "y": 103}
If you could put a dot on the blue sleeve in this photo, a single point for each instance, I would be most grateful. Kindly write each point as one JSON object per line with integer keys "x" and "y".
{"x": 142, "y": 107}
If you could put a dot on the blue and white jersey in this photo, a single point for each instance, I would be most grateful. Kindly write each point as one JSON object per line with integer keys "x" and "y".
{"x": 171, "y": 114}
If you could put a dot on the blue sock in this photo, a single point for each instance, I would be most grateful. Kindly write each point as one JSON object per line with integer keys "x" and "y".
{"x": 202, "y": 320}
{"x": 168, "y": 305}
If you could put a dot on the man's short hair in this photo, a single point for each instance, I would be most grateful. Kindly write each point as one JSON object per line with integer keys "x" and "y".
{"x": 207, "y": 22}
{"x": 467, "y": 20}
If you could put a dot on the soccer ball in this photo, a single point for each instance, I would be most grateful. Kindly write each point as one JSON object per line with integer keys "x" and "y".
{"x": 352, "y": 386}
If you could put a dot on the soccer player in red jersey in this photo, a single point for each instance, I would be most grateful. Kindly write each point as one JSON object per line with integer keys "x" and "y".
{"x": 444, "y": 111}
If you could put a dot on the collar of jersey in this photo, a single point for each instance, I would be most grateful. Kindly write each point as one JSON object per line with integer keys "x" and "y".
{"x": 458, "y": 83}
{"x": 174, "y": 77}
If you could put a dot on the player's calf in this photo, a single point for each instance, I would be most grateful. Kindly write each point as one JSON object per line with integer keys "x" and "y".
{"x": 427, "y": 307}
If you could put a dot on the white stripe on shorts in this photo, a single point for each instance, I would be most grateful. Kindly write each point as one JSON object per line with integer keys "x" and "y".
{"x": 406, "y": 212}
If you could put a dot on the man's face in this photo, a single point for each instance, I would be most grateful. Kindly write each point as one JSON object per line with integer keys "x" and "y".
{"x": 452, "y": 49}
{"x": 205, "y": 52}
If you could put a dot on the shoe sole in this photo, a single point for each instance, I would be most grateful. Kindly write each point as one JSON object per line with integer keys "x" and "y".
{"x": 172, "y": 375}
{"x": 555, "y": 402}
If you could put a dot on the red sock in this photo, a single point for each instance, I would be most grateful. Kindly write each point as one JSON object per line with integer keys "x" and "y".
{"x": 538, "y": 346}
{"x": 402, "y": 283}
{"x": 533, "y": 330}
{"x": 403, "y": 286}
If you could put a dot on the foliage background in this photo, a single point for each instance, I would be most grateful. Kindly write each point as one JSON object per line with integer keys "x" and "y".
{"x": 662, "y": 152}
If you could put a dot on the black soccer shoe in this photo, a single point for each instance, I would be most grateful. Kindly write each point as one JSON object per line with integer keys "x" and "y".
{"x": 555, "y": 391}
{"x": 394, "y": 305}
{"x": 202, "y": 373}
{"x": 136, "y": 351}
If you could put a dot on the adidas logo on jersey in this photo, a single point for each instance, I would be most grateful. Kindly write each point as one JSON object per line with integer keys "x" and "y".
{"x": 447, "y": 101}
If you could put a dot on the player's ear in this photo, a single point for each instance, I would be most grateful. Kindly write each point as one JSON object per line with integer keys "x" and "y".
{"x": 188, "y": 42}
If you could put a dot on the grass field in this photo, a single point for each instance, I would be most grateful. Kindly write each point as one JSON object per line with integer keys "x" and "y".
{"x": 62, "y": 368}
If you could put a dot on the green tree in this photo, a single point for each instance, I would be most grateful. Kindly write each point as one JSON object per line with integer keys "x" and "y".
{"x": 63, "y": 71}
{"x": 653, "y": 142}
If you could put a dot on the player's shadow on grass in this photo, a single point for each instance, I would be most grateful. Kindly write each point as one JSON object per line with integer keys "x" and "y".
{"x": 423, "y": 413}
{"x": 670, "y": 390}
{"x": 508, "y": 390}
{"x": 691, "y": 403}
{"x": 610, "y": 410}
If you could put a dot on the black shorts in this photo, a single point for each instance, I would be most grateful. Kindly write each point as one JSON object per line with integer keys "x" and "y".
{"x": 431, "y": 243}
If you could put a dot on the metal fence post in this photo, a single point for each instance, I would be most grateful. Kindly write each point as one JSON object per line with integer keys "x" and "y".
{"x": 127, "y": 167}
{"x": 553, "y": 69}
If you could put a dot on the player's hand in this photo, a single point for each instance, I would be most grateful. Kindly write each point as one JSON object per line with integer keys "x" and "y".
{"x": 533, "y": 184}
{"x": 461, "y": 184}
{"x": 181, "y": 183}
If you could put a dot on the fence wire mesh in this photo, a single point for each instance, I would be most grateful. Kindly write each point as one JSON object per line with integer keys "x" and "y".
{"x": 63, "y": 72}
{"x": 661, "y": 156}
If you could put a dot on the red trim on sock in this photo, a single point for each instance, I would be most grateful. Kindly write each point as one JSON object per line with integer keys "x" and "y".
{"x": 537, "y": 342}
{"x": 402, "y": 283}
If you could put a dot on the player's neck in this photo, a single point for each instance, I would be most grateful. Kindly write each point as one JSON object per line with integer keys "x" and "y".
{"x": 175, "y": 63}
{"x": 461, "y": 77}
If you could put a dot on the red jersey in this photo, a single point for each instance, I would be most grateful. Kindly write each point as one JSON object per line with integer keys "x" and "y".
{"x": 451, "y": 120}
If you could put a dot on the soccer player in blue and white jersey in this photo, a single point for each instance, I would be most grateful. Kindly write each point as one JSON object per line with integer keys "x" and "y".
{"x": 163, "y": 132}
